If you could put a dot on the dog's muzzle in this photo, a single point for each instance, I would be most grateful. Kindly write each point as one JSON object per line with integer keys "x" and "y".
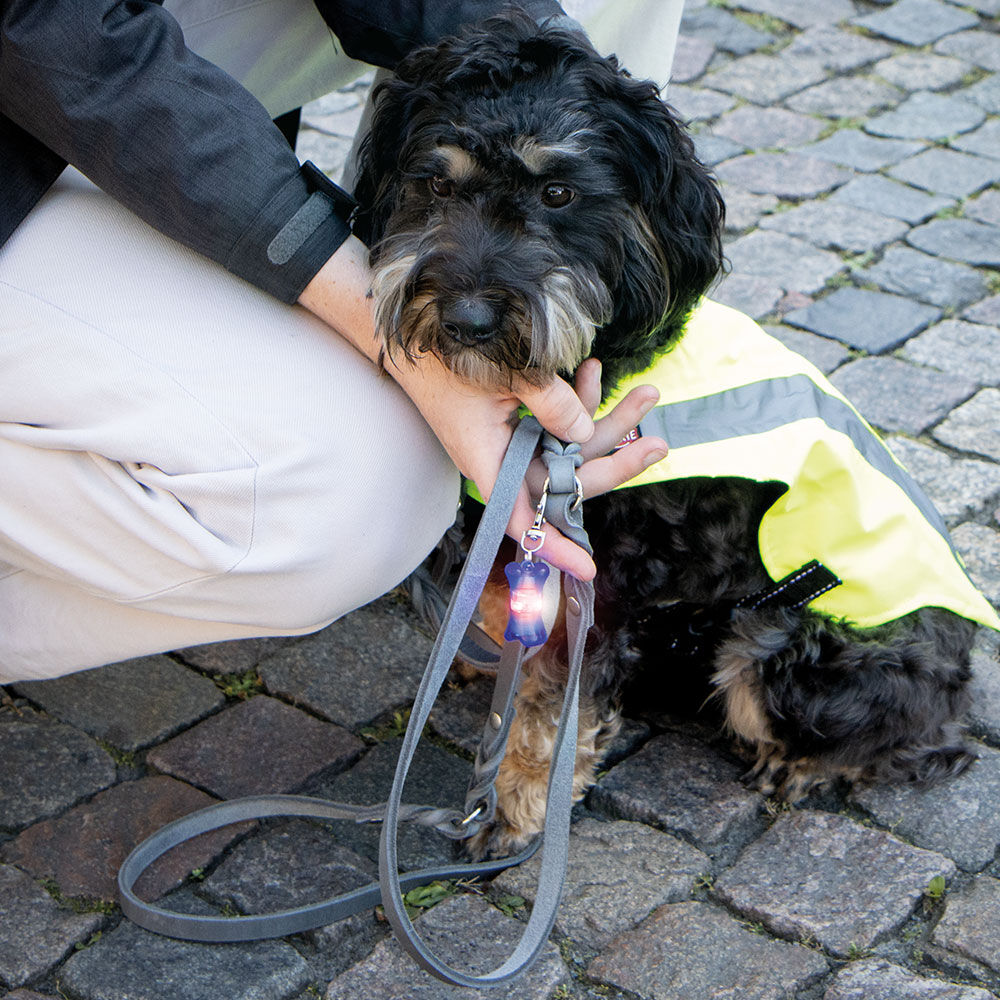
{"x": 470, "y": 321}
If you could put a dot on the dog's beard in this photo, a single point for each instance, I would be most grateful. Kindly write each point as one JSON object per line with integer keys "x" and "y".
{"x": 548, "y": 317}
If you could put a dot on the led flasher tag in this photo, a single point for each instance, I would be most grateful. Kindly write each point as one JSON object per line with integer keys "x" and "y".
{"x": 527, "y": 581}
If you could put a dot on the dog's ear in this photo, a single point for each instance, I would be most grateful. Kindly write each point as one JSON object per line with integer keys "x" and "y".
{"x": 673, "y": 249}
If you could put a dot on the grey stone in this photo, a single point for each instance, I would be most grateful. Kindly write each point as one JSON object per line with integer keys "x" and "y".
{"x": 691, "y": 58}
{"x": 618, "y": 874}
{"x": 987, "y": 311}
{"x": 787, "y": 175}
{"x": 846, "y": 97}
{"x": 878, "y": 979}
{"x": 459, "y": 712}
{"x": 766, "y": 128}
{"x": 130, "y": 705}
{"x": 917, "y": 22}
{"x": 958, "y": 487}
{"x": 897, "y": 396}
{"x": 342, "y": 122}
{"x": 977, "y": 46}
{"x": 957, "y": 817}
{"x": 259, "y": 746}
{"x": 985, "y": 141}
{"x": 961, "y": 239}
{"x": 358, "y": 668}
{"x": 678, "y": 784}
{"x": 47, "y": 767}
{"x": 837, "y": 226}
{"x": 969, "y": 932}
{"x": 469, "y": 935}
{"x": 984, "y": 688}
{"x": 789, "y": 263}
{"x": 879, "y": 194}
{"x": 985, "y": 207}
{"x": 328, "y": 152}
{"x": 334, "y": 103}
{"x": 941, "y": 283}
{"x": 862, "y": 152}
{"x": 988, "y": 7}
{"x": 871, "y": 321}
{"x": 825, "y": 354}
{"x": 979, "y": 546}
{"x": 838, "y": 49}
{"x": 713, "y": 149}
{"x": 137, "y": 964}
{"x": 985, "y": 94}
{"x": 752, "y": 295}
{"x": 803, "y": 13}
{"x": 767, "y": 79}
{"x": 820, "y": 876}
{"x": 698, "y": 104}
{"x": 723, "y": 30}
{"x": 922, "y": 70}
{"x": 925, "y": 115}
{"x": 235, "y": 656}
{"x": 745, "y": 209}
{"x": 35, "y": 932}
{"x": 974, "y": 426}
{"x": 961, "y": 348}
{"x": 946, "y": 171}
{"x": 694, "y": 950}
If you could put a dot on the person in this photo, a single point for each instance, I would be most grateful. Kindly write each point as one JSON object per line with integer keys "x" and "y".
{"x": 196, "y": 441}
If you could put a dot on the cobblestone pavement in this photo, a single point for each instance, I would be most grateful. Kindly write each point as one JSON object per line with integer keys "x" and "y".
{"x": 859, "y": 147}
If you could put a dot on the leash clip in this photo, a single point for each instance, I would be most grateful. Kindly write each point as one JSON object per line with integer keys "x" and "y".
{"x": 535, "y": 535}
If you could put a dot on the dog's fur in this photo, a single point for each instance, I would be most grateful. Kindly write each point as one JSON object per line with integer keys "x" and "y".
{"x": 529, "y": 205}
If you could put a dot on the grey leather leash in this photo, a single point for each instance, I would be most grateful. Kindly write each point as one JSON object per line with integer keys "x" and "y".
{"x": 563, "y": 509}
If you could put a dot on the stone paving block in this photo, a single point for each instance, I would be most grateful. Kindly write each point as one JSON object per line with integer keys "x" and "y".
{"x": 824, "y": 877}
{"x": 786, "y": 175}
{"x": 678, "y": 784}
{"x": 876, "y": 193}
{"x": 754, "y": 296}
{"x": 871, "y": 321}
{"x": 618, "y": 874}
{"x": 958, "y": 487}
{"x": 460, "y": 712}
{"x": 985, "y": 207}
{"x": 26, "y": 995}
{"x": 877, "y": 979}
{"x": 960, "y": 239}
{"x": 329, "y": 153}
{"x": 130, "y": 705}
{"x": 235, "y": 656}
{"x": 940, "y": 282}
{"x": 767, "y": 80}
{"x": 723, "y": 30}
{"x": 987, "y": 311}
{"x": 691, "y": 58}
{"x": 946, "y": 171}
{"x": 922, "y": 70}
{"x": 698, "y": 104}
{"x": 296, "y": 864}
{"x": 897, "y": 396}
{"x": 836, "y": 226}
{"x": 257, "y": 747}
{"x": 974, "y": 426}
{"x": 961, "y": 348}
{"x": 825, "y": 354}
{"x": 984, "y": 713}
{"x": 764, "y": 128}
{"x": 957, "y": 817}
{"x": 917, "y": 22}
{"x": 788, "y": 262}
{"x": 926, "y": 115}
{"x": 988, "y": 7}
{"x": 139, "y": 965}
{"x": 802, "y": 13}
{"x": 436, "y": 778}
{"x": 363, "y": 665}
{"x": 979, "y": 546}
{"x": 83, "y": 849}
{"x": 47, "y": 767}
{"x": 977, "y": 46}
{"x": 744, "y": 209}
{"x": 470, "y": 935}
{"x": 838, "y": 49}
{"x": 846, "y": 97}
{"x": 35, "y": 932}
{"x": 714, "y": 149}
{"x": 968, "y": 935}
{"x": 853, "y": 148}
{"x": 694, "y": 950}
{"x": 985, "y": 94}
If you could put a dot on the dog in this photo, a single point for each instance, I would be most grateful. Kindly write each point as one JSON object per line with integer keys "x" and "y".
{"x": 528, "y": 204}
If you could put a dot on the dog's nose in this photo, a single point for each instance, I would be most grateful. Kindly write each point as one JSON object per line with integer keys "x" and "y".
{"x": 470, "y": 321}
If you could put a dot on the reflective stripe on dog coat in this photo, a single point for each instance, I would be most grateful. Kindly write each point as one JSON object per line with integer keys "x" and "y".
{"x": 736, "y": 402}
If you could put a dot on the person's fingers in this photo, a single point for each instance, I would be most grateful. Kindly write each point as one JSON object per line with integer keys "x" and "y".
{"x": 602, "y": 474}
{"x": 558, "y": 409}
{"x": 611, "y": 429}
{"x": 587, "y": 383}
{"x": 557, "y": 549}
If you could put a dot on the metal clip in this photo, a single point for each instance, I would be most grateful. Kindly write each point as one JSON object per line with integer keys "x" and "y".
{"x": 536, "y": 533}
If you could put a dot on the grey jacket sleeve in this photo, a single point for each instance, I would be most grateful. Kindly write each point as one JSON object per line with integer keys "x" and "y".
{"x": 111, "y": 88}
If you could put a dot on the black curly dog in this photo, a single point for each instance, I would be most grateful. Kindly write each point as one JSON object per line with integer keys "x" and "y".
{"x": 529, "y": 204}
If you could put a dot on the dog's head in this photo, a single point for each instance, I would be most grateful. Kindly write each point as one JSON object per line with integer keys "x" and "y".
{"x": 530, "y": 204}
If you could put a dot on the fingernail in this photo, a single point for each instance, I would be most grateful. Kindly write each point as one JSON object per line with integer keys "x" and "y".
{"x": 655, "y": 456}
{"x": 582, "y": 429}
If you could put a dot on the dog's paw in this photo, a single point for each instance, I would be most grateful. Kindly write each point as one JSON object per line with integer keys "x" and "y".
{"x": 498, "y": 839}
{"x": 775, "y": 776}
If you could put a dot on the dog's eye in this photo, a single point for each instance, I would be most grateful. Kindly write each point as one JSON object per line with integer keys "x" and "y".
{"x": 557, "y": 195}
{"x": 442, "y": 187}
